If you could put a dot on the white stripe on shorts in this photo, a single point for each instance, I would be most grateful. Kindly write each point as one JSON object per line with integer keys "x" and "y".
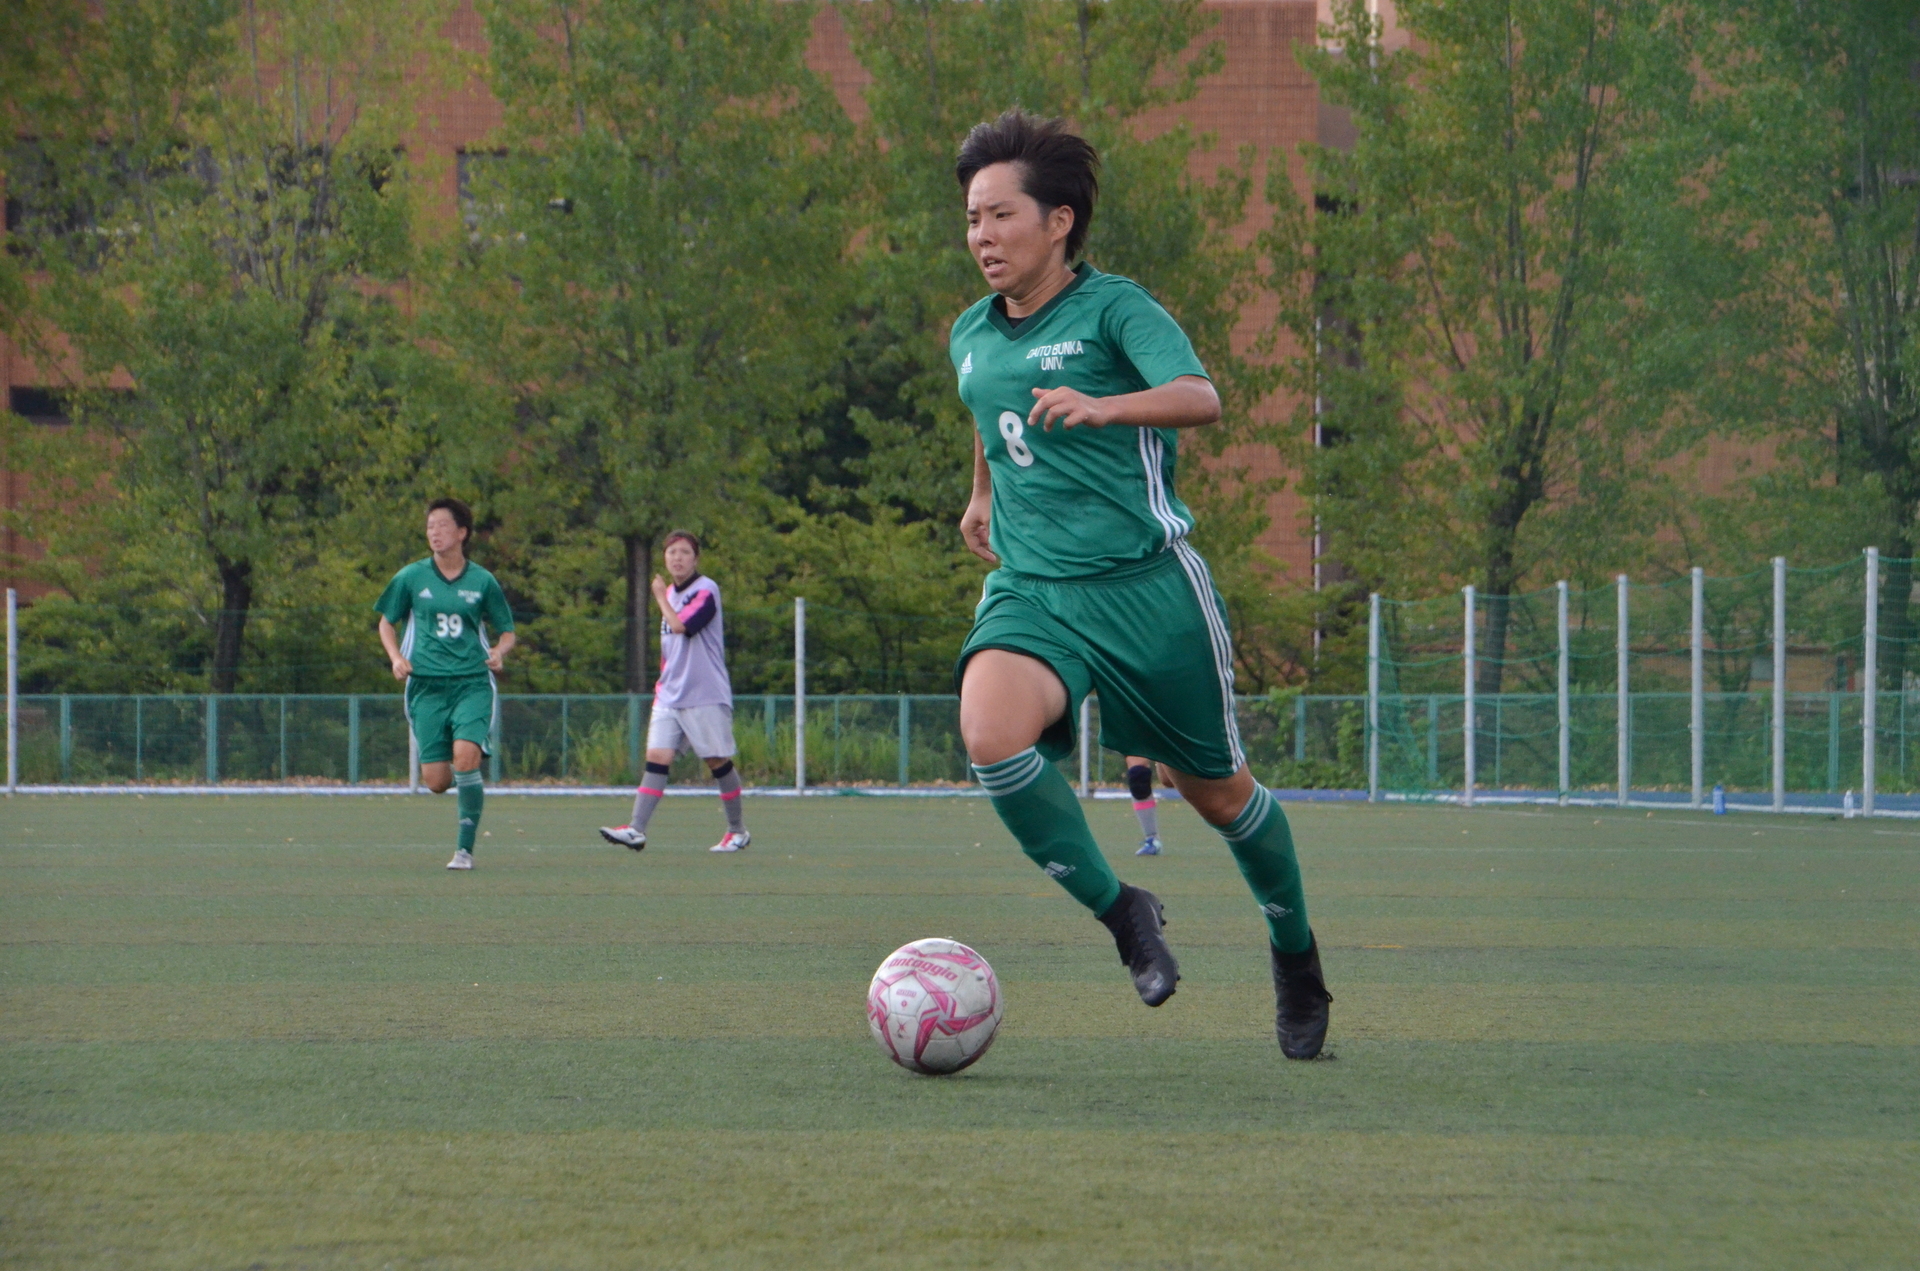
{"x": 1202, "y": 583}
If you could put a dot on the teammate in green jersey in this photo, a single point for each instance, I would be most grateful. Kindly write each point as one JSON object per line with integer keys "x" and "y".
{"x": 1079, "y": 382}
{"x": 449, "y": 606}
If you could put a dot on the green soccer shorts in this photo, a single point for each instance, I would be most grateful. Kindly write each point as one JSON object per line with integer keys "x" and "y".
{"x": 442, "y": 711}
{"x": 1150, "y": 639}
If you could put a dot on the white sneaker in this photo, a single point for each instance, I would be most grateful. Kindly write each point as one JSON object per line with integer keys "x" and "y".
{"x": 733, "y": 842}
{"x": 1149, "y": 846}
{"x": 624, "y": 836}
{"x": 462, "y": 859}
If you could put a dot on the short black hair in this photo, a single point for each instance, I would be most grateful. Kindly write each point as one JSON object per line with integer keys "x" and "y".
{"x": 1058, "y": 167}
{"x": 682, "y": 536}
{"x": 462, "y": 514}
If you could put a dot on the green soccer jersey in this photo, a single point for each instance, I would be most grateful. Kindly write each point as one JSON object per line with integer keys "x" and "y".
{"x": 446, "y": 623}
{"x": 1069, "y": 503}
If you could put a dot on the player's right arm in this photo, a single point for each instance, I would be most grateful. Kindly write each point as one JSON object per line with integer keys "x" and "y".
{"x": 391, "y": 639}
{"x": 978, "y": 518}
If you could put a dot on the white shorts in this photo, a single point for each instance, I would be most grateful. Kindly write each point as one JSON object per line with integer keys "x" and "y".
{"x": 705, "y": 730}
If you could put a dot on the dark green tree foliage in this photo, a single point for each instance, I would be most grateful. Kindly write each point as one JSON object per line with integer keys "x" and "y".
{"x": 1812, "y": 194}
{"x": 648, "y": 263}
{"x": 211, "y": 195}
{"x": 1465, "y": 298}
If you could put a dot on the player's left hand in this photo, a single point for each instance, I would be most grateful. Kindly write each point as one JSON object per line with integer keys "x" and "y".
{"x": 1068, "y": 405}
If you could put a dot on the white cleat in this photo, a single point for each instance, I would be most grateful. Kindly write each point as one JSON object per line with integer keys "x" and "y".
{"x": 624, "y": 836}
{"x": 462, "y": 859}
{"x": 1149, "y": 846}
{"x": 733, "y": 842}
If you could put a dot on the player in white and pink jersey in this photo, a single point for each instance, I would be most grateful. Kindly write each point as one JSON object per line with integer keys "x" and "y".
{"x": 693, "y": 701}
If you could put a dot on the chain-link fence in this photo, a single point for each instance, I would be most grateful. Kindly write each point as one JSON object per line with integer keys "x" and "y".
{"x": 591, "y": 741}
{"x": 1757, "y": 685}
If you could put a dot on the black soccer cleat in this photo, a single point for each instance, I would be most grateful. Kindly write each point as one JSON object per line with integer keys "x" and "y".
{"x": 1135, "y": 921}
{"x": 1300, "y": 1001}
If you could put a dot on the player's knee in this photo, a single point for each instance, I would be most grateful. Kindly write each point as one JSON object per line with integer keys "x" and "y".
{"x": 661, "y": 757}
{"x": 1140, "y": 782}
{"x": 438, "y": 782}
{"x": 1216, "y": 801}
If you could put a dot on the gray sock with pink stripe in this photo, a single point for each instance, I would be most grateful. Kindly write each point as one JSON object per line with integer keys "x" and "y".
{"x": 727, "y": 778}
{"x": 653, "y": 788}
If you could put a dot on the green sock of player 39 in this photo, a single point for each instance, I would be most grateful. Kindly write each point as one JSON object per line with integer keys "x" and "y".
{"x": 473, "y": 799}
{"x": 1043, "y": 814}
{"x": 1262, "y": 843}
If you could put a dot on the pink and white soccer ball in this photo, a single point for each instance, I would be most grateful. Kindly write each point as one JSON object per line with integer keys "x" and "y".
{"x": 934, "y": 1006}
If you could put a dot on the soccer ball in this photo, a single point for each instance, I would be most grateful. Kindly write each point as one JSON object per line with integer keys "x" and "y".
{"x": 934, "y": 1006}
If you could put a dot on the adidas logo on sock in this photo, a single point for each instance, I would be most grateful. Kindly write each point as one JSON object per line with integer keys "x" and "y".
{"x": 1055, "y": 870}
{"x": 466, "y": 820}
{"x": 1275, "y": 910}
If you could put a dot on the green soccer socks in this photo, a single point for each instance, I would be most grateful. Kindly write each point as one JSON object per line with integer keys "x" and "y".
{"x": 473, "y": 799}
{"x": 1262, "y": 843}
{"x": 1043, "y": 814}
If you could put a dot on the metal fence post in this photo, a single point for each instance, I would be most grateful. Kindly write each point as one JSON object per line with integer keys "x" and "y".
{"x": 1623, "y": 721}
{"x": 565, "y": 731}
{"x": 1468, "y": 725}
{"x": 1563, "y": 703}
{"x": 499, "y": 730}
{"x": 633, "y": 734}
{"x": 413, "y": 762}
{"x": 1870, "y": 686}
{"x": 353, "y": 739}
{"x": 66, "y": 737}
{"x": 906, "y": 736}
{"x": 1833, "y": 742}
{"x": 283, "y": 737}
{"x": 139, "y": 740}
{"x": 13, "y": 692}
{"x": 1373, "y": 698}
{"x": 212, "y": 722}
{"x": 1697, "y": 692}
{"x": 799, "y": 692}
{"x": 1300, "y": 729}
{"x": 1433, "y": 740}
{"x": 1086, "y": 744}
{"x": 1779, "y": 683}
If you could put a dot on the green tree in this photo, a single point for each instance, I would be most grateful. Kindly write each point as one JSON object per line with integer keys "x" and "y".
{"x": 1490, "y": 391}
{"x": 213, "y": 196}
{"x": 643, "y": 289}
{"x": 1813, "y": 141}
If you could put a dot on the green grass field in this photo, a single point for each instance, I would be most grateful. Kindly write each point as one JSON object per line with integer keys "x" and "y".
{"x": 263, "y": 1032}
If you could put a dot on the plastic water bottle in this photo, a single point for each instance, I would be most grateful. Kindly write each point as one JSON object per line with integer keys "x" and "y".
{"x": 1719, "y": 799}
{"x": 1846, "y": 805}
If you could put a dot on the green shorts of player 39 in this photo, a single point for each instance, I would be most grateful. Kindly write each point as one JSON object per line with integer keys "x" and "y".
{"x": 443, "y": 711}
{"x": 1151, "y": 639}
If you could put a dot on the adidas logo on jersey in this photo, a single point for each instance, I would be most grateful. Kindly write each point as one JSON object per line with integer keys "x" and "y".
{"x": 426, "y": 593}
{"x": 966, "y": 364}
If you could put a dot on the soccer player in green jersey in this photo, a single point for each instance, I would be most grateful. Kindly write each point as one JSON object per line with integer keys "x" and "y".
{"x": 1079, "y": 383}
{"x": 449, "y": 605}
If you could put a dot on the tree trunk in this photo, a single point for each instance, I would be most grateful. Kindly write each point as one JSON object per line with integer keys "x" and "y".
{"x": 1497, "y": 600}
{"x": 640, "y": 670}
{"x": 236, "y": 600}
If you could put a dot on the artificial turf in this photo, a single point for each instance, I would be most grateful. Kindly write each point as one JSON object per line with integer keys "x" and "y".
{"x": 266, "y": 1032}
